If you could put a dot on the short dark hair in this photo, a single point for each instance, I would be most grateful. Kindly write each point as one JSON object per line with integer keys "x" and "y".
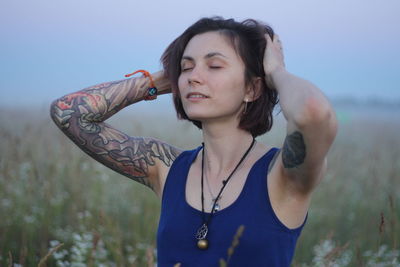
{"x": 248, "y": 40}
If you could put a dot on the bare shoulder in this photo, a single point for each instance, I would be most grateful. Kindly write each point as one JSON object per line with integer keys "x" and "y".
{"x": 148, "y": 160}
{"x": 156, "y": 158}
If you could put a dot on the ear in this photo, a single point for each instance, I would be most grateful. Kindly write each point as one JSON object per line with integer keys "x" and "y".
{"x": 253, "y": 90}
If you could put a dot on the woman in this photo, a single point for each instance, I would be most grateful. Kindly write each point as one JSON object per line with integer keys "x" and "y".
{"x": 225, "y": 77}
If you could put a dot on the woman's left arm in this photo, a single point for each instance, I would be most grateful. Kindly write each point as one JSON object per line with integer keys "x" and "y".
{"x": 311, "y": 123}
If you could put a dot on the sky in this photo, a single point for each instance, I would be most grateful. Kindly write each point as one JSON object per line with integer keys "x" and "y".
{"x": 50, "y": 48}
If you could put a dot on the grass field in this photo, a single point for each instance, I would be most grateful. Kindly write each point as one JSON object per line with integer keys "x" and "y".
{"x": 51, "y": 193}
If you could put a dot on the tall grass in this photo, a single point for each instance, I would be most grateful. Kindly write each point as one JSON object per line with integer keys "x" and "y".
{"x": 52, "y": 193}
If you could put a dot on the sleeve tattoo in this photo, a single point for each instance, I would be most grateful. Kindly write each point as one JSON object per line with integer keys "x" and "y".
{"x": 80, "y": 116}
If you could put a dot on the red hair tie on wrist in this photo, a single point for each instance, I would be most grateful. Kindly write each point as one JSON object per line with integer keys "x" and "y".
{"x": 152, "y": 90}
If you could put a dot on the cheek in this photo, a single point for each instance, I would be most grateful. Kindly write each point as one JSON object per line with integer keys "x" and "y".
{"x": 180, "y": 83}
{"x": 232, "y": 86}
{"x": 181, "y": 89}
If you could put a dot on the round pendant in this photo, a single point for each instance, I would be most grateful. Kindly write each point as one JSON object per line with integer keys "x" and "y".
{"x": 202, "y": 244}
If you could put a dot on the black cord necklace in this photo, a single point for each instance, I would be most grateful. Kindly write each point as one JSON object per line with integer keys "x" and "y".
{"x": 201, "y": 234}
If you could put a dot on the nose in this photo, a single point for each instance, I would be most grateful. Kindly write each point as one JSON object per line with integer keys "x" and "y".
{"x": 195, "y": 76}
{"x": 192, "y": 81}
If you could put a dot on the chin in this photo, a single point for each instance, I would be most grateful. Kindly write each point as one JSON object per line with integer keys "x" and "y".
{"x": 194, "y": 113}
{"x": 196, "y": 116}
{"x": 204, "y": 114}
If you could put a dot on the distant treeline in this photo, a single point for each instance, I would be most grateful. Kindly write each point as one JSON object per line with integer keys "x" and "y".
{"x": 370, "y": 102}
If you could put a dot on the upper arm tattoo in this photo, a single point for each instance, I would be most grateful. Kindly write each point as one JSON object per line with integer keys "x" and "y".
{"x": 80, "y": 116}
{"x": 294, "y": 150}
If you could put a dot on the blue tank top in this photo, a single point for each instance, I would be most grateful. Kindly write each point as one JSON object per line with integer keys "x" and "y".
{"x": 265, "y": 240}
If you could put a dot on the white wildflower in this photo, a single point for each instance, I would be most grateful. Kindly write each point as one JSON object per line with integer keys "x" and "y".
{"x": 6, "y": 202}
{"x": 54, "y": 243}
{"x": 29, "y": 219}
{"x": 131, "y": 259}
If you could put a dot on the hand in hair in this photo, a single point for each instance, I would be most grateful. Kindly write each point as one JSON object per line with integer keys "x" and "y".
{"x": 273, "y": 58}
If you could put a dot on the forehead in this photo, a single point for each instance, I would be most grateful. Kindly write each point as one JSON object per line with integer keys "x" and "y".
{"x": 210, "y": 42}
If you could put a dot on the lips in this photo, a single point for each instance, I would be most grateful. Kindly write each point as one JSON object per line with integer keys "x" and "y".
{"x": 196, "y": 95}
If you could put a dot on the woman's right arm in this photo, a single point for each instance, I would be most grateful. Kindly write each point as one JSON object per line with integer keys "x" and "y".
{"x": 81, "y": 117}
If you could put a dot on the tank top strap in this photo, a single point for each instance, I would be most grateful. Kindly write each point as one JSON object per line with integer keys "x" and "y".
{"x": 256, "y": 185}
{"x": 193, "y": 155}
{"x": 176, "y": 180}
{"x": 263, "y": 164}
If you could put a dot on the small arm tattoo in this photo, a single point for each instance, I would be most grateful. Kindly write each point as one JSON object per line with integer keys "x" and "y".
{"x": 294, "y": 150}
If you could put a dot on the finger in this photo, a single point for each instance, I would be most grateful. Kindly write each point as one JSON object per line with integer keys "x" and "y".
{"x": 277, "y": 40}
{"x": 279, "y": 44}
{"x": 269, "y": 40}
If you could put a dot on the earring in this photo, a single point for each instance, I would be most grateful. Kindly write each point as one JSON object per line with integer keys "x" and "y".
{"x": 245, "y": 106}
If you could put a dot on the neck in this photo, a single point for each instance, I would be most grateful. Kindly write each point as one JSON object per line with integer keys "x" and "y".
{"x": 224, "y": 147}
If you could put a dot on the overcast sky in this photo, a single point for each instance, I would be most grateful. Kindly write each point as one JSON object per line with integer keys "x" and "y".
{"x": 49, "y": 48}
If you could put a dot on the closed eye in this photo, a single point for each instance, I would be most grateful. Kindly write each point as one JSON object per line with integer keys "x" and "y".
{"x": 215, "y": 67}
{"x": 186, "y": 69}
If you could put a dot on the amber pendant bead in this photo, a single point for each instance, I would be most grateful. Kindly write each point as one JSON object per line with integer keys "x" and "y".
{"x": 202, "y": 244}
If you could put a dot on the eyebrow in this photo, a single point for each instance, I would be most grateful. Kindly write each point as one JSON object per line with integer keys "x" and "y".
{"x": 209, "y": 55}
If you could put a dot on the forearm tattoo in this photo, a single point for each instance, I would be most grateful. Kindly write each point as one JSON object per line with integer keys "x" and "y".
{"x": 80, "y": 116}
{"x": 294, "y": 150}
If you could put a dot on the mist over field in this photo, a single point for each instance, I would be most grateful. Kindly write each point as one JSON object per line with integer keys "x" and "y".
{"x": 52, "y": 195}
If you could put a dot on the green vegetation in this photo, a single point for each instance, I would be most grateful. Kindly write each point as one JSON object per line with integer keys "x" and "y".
{"x": 52, "y": 195}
